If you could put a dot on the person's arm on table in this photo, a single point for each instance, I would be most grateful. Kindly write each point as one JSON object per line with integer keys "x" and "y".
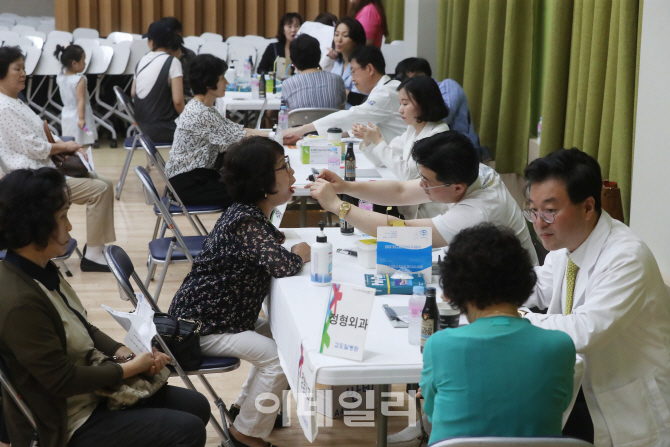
{"x": 293, "y": 134}
{"x": 265, "y": 251}
{"x": 366, "y": 221}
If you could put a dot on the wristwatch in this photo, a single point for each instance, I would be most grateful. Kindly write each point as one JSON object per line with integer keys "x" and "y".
{"x": 344, "y": 209}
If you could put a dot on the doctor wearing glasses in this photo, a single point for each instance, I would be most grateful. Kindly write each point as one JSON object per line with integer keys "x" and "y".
{"x": 450, "y": 173}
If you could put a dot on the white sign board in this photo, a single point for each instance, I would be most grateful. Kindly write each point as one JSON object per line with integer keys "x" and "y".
{"x": 405, "y": 249}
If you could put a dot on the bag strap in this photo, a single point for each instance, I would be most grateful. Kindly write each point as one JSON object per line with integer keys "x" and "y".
{"x": 137, "y": 73}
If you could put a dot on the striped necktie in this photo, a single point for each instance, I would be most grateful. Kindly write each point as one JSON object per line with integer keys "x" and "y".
{"x": 571, "y": 276}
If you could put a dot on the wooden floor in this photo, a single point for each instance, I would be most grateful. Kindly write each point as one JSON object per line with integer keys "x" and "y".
{"x": 134, "y": 222}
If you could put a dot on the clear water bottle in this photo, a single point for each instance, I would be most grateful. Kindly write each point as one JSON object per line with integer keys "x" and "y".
{"x": 282, "y": 121}
{"x": 365, "y": 205}
{"x": 334, "y": 160}
{"x": 416, "y": 303}
{"x": 255, "y": 87}
{"x": 539, "y": 130}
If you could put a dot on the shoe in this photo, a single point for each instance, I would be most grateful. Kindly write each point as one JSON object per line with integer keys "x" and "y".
{"x": 241, "y": 444}
{"x": 89, "y": 266}
{"x": 409, "y": 437}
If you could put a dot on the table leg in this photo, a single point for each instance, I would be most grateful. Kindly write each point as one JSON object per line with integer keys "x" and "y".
{"x": 303, "y": 212}
{"x": 381, "y": 418}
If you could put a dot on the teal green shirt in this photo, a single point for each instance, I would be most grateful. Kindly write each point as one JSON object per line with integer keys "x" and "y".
{"x": 499, "y": 376}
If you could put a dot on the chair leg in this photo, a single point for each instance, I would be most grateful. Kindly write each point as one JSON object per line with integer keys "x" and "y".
{"x": 197, "y": 219}
{"x": 67, "y": 271}
{"x": 156, "y": 227}
{"x": 124, "y": 172}
{"x": 78, "y": 252}
{"x": 168, "y": 259}
{"x": 151, "y": 270}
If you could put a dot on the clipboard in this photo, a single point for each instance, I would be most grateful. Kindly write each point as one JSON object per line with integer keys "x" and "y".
{"x": 395, "y": 315}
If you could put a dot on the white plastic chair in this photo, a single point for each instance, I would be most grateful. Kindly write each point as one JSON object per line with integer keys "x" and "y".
{"x": 117, "y": 37}
{"x": 30, "y": 21}
{"x": 116, "y": 67}
{"x": 22, "y": 30}
{"x": 218, "y": 49}
{"x": 46, "y": 27}
{"x": 137, "y": 36}
{"x": 255, "y": 40}
{"x": 240, "y": 51}
{"x": 512, "y": 442}
{"x": 9, "y": 15}
{"x": 193, "y": 43}
{"x": 37, "y": 41}
{"x": 48, "y": 67}
{"x": 60, "y": 35}
{"x": 89, "y": 45}
{"x": 211, "y": 37}
{"x": 234, "y": 40}
{"x": 3, "y": 28}
{"x": 33, "y": 55}
{"x": 5, "y": 35}
{"x": 101, "y": 58}
{"x": 17, "y": 42}
{"x": 85, "y": 33}
{"x": 138, "y": 48}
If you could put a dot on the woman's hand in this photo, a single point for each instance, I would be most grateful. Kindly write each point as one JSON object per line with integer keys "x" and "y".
{"x": 332, "y": 53}
{"x": 370, "y": 134}
{"x": 81, "y": 124}
{"x": 140, "y": 364}
{"x": 303, "y": 250}
{"x": 160, "y": 361}
{"x": 123, "y": 352}
{"x": 83, "y": 153}
{"x": 338, "y": 184}
{"x": 324, "y": 192}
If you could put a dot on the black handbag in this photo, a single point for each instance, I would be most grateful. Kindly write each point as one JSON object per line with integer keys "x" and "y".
{"x": 182, "y": 337}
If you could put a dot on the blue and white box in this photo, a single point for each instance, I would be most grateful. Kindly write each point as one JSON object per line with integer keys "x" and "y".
{"x": 405, "y": 249}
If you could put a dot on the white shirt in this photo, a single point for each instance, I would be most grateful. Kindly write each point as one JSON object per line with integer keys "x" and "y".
{"x": 486, "y": 200}
{"x": 146, "y": 80}
{"x": 381, "y": 109}
{"x": 397, "y": 156}
{"x": 23, "y": 143}
{"x": 620, "y": 324}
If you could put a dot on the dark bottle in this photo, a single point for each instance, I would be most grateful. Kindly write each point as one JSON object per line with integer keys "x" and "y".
{"x": 430, "y": 316}
{"x": 262, "y": 87}
{"x": 349, "y": 176}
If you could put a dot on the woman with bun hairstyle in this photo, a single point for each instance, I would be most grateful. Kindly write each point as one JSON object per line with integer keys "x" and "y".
{"x": 77, "y": 117}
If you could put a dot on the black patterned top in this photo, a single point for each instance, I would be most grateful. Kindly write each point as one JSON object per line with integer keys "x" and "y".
{"x": 202, "y": 134}
{"x": 231, "y": 277}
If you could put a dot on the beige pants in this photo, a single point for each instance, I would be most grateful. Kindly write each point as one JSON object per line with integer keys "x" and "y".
{"x": 97, "y": 193}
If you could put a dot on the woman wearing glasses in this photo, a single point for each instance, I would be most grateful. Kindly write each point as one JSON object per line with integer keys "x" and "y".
{"x": 202, "y": 135}
{"x": 450, "y": 173}
{"x": 231, "y": 277}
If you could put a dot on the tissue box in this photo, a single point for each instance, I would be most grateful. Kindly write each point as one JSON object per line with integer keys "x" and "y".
{"x": 314, "y": 150}
{"x": 385, "y": 285}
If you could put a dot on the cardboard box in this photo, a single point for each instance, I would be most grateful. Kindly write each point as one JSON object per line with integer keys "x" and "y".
{"x": 314, "y": 150}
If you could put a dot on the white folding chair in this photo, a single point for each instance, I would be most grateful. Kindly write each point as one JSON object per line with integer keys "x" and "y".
{"x": 512, "y": 442}
{"x": 193, "y": 43}
{"x": 33, "y": 55}
{"x": 46, "y": 27}
{"x": 6, "y": 24}
{"x": 23, "y": 29}
{"x": 101, "y": 58}
{"x": 211, "y": 37}
{"x": 86, "y": 33}
{"x": 60, "y": 35}
{"x": 37, "y": 41}
{"x": 298, "y": 117}
{"x": 17, "y": 42}
{"x": 234, "y": 40}
{"x": 116, "y": 67}
{"x": 3, "y": 27}
{"x": 116, "y": 37}
{"x": 48, "y": 67}
{"x": 8, "y": 35}
{"x": 218, "y": 49}
{"x": 29, "y": 21}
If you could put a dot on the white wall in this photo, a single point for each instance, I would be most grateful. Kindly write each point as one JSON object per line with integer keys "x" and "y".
{"x": 650, "y": 201}
{"x": 421, "y": 30}
{"x": 28, "y": 7}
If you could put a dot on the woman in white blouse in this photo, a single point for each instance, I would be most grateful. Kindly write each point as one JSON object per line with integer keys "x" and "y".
{"x": 423, "y": 110}
{"x": 202, "y": 135}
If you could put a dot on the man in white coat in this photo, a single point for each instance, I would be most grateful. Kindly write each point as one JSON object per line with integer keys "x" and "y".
{"x": 602, "y": 286}
{"x": 380, "y": 109}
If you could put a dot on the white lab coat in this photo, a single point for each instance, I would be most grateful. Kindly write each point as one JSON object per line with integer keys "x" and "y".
{"x": 397, "y": 156}
{"x": 380, "y": 109}
{"x": 620, "y": 324}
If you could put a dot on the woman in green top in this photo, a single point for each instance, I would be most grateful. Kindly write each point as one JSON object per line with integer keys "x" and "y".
{"x": 499, "y": 375}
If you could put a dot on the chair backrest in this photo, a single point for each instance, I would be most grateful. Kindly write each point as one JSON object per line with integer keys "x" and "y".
{"x": 29, "y": 21}
{"x": 17, "y": 42}
{"x": 89, "y": 46}
{"x": 33, "y": 55}
{"x": 46, "y": 27}
{"x": 16, "y": 397}
{"x": 152, "y": 198}
{"x": 48, "y": 65}
{"x": 298, "y": 117}
{"x": 117, "y": 36}
{"x": 155, "y": 156}
{"x": 61, "y": 35}
{"x": 212, "y": 37}
{"x": 510, "y": 442}
{"x": 123, "y": 270}
{"x": 100, "y": 60}
{"x": 125, "y": 101}
{"x": 37, "y": 41}
{"x": 233, "y": 40}
{"x": 138, "y": 48}
{"x": 23, "y": 29}
{"x": 87, "y": 33}
{"x": 218, "y": 49}
{"x": 193, "y": 43}
{"x": 119, "y": 60}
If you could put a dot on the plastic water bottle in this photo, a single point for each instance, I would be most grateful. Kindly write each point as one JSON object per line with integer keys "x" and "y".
{"x": 255, "y": 87}
{"x": 365, "y": 205}
{"x": 334, "y": 160}
{"x": 416, "y": 303}
{"x": 282, "y": 121}
{"x": 539, "y": 130}
{"x": 247, "y": 70}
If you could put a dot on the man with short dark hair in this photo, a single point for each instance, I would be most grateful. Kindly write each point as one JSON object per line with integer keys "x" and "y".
{"x": 602, "y": 286}
{"x": 450, "y": 173}
{"x": 380, "y": 109}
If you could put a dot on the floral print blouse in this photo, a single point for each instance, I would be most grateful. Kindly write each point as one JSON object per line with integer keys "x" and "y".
{"x": 231, "y": 277}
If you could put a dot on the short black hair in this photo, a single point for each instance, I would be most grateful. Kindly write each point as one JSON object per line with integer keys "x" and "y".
{"x": 369, "y": 54}
{"x": 579, "y": 171}
{"x": 9, "y": 55}
{"x": 204, "y": 73}
{"x": 305, "y": 52}
{"x": 356, "y": 32}
{"x": 174, "y": 23}
{"x": 425, "y": 93}
{"x": 249, "y": 169}
{"x": 416, "y": 65}
{"x": 486, "y": 265}
{"x": 287, "y": 18}
{"x": 326, "y": 18}
{"x": 68, "y": 54}
{"x": 450, "y": 154}
{"x": 29, "y": 200}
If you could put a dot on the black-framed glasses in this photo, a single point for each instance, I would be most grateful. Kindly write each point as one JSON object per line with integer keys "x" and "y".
{"x": 287, "y": 164}
{"x": 546, "y": 215}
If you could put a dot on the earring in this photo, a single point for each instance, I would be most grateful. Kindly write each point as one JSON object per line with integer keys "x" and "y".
{"x": 266, "y": 195}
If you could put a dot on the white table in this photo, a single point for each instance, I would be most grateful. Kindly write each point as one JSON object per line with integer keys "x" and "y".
{"x": 241, "y": 101}
{"x": 296, "y": 310}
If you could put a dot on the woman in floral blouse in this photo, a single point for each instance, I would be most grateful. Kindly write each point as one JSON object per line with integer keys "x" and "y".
{"x": 231, "y": 277}
{"x": 202, "y": 134}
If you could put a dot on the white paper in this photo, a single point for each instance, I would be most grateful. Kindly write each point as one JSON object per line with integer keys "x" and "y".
{"x": 88, "y": 163}
{"x": 139, "y": 325}
{"x": 323, "y": 33}
{"x": 278, "y": 215}
{"x": 306, "y": 396}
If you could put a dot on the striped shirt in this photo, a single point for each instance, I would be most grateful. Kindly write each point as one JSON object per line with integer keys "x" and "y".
{"x": 320, "y": 89}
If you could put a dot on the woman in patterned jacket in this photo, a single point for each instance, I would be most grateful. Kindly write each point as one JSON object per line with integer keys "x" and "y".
{"x": 202, "y": 135}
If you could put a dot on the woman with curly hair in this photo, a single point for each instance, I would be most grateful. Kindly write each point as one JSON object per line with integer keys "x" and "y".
{"x": 498, "y": 375}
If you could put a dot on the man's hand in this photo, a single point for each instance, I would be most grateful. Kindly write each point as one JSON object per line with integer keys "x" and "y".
{"x": 324, "y": 192}
{"x": 337, "y": 182}
{"x": 292, "y": 135}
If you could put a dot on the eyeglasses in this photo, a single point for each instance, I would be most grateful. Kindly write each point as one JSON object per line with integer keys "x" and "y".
{"x": 424, "y": 184}
{"x": 287, "y": 164}
{"x": 547, "y": 215}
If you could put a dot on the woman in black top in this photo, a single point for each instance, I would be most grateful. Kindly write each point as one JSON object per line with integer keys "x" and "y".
{"x": 231, "y": 277}
{"x": 288, "y": 27}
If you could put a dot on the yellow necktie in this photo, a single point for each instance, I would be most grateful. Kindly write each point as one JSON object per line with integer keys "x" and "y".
{"x": 571, "y": 275}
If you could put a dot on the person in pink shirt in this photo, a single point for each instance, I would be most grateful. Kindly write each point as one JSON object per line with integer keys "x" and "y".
{"x": 371, "y": 15}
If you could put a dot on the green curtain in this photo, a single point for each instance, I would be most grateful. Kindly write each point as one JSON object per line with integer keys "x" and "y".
{"x": 395, "y": 18}
{"x": 589, "y": 95}
{"x": 487, "y": 46}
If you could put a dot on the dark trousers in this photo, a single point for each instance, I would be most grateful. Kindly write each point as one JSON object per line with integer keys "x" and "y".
{"x": 201, "y": 187}
{"x": 579, "y": 424}
{"x": 173, "y": 417}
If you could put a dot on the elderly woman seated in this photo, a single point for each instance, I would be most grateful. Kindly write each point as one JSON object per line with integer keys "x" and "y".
{"x": 46, "y": 340}
{"x": 230, "y": 278}
{"x": 202, "y": 136}
{"x": 312, "y": 87}
{"x": 499, "y": 375}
